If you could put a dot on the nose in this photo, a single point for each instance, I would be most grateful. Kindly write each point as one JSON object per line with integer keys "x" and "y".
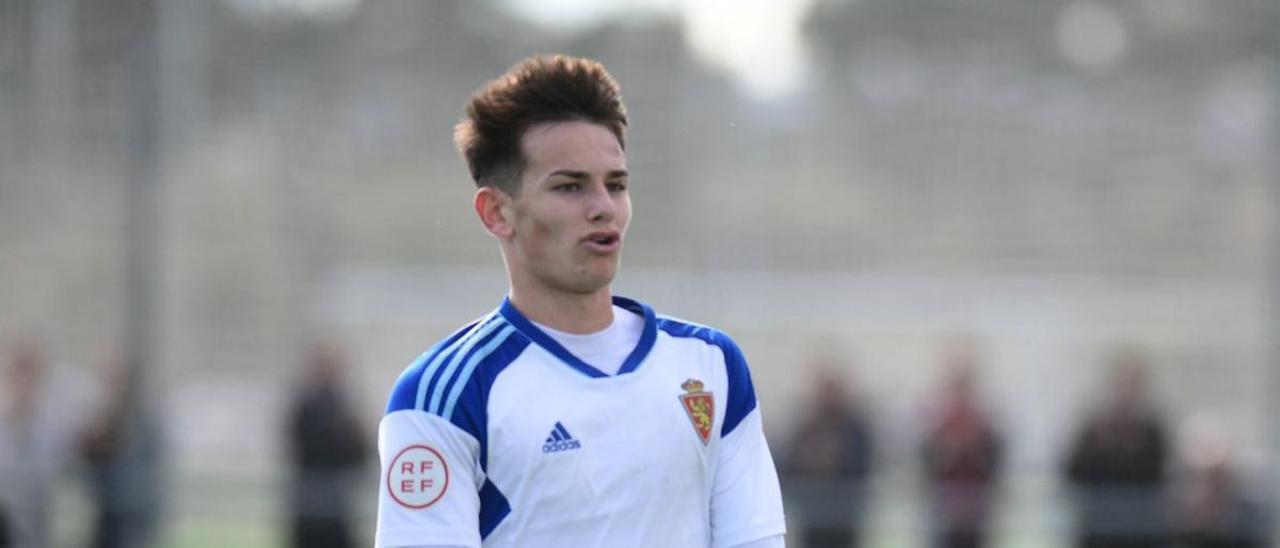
{"x": 601, "y": 206}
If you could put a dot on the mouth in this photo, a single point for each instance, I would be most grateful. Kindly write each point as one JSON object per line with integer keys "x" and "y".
{"x": 603, "y": 242}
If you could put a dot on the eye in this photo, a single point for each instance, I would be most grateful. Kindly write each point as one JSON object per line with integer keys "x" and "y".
{"x": 567, "y": 187}
{"x": 617, "y": 186}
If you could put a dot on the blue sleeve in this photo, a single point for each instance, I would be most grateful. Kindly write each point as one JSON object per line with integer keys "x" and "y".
{"x": 742, "y": 394}
{"x": 452, "y": 379}
{"x": 404, "y": 394}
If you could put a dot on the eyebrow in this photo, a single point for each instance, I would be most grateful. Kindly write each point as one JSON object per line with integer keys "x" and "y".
{"x": 574, "y": 174}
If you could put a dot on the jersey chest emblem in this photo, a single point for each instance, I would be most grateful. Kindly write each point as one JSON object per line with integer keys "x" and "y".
{"x": 700, "y": 406}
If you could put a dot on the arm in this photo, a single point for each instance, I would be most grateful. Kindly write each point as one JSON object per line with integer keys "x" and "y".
{"x": 430, "y": 482}
{"x": 746, "y": 501}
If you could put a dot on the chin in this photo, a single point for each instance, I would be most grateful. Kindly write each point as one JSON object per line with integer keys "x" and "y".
{"x": 589, "y": 282}
{"x": 594, "y": 286}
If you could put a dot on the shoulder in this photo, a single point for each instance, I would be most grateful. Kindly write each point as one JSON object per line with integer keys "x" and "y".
{"x": 742, "y": 394}
{"x": 468, "y": 360}
{"x": 684, "y": 329}
{"x": 734, "y": 360}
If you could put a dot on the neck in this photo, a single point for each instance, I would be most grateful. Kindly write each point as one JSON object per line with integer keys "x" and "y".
{"x": 578, "y": 313}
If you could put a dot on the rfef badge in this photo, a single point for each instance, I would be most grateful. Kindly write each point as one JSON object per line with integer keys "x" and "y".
{"x": 701, "y": 407}
{"x": 417, "y": 477}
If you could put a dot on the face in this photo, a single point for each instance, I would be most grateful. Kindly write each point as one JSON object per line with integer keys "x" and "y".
{"x": 565, "y": 229}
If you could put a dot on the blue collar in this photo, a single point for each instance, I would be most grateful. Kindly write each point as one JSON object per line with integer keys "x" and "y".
{"x": 633, "y": 361}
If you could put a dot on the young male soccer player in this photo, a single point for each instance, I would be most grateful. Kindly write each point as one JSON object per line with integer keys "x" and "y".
{"x": 569, "y": 416}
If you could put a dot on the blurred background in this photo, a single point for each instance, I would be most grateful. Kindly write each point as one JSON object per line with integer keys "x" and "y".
{"x": 1003, "y": 269}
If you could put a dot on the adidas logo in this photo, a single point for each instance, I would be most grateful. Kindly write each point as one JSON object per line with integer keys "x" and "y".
{"x": 560, "y": 440}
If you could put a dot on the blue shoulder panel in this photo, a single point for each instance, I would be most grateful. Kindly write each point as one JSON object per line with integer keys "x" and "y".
{"x": 467, "y": 407}
{"x": 405, "y": 392}
{"x": 452, "y": 379}
{"x": 742, "y": 394}
{"x": 469, "y": 399}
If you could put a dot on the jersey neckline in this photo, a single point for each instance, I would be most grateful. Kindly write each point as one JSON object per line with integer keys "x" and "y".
{"x": 633, "y": 361}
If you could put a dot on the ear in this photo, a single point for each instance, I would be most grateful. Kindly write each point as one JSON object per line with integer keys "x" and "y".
{"x": 493, "y": 207}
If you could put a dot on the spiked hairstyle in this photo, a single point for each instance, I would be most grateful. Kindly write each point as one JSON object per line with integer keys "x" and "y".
{"x": 545, "y": 88}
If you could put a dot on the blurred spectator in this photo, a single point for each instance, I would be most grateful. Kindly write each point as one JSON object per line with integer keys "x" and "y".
{"x": 962, "y": 459}
{"x": 1117, "y": 465}
{"x": 326, "y": 447}
{"x": 1214, "y": 510}
{"x": 123, "y": 449}
{"x": 826, "y": 470}
{"x": 5, "y": 537}
{"x": 37, "y": 443}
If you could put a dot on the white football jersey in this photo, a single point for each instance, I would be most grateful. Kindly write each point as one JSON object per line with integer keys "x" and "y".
{"x": 498, "y": 437}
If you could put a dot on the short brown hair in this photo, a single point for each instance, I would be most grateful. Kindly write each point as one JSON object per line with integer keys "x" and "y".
{"x": 539, "y": 89}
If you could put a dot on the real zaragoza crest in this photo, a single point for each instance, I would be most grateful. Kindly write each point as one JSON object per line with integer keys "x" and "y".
{"x": 701, "y": 407}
